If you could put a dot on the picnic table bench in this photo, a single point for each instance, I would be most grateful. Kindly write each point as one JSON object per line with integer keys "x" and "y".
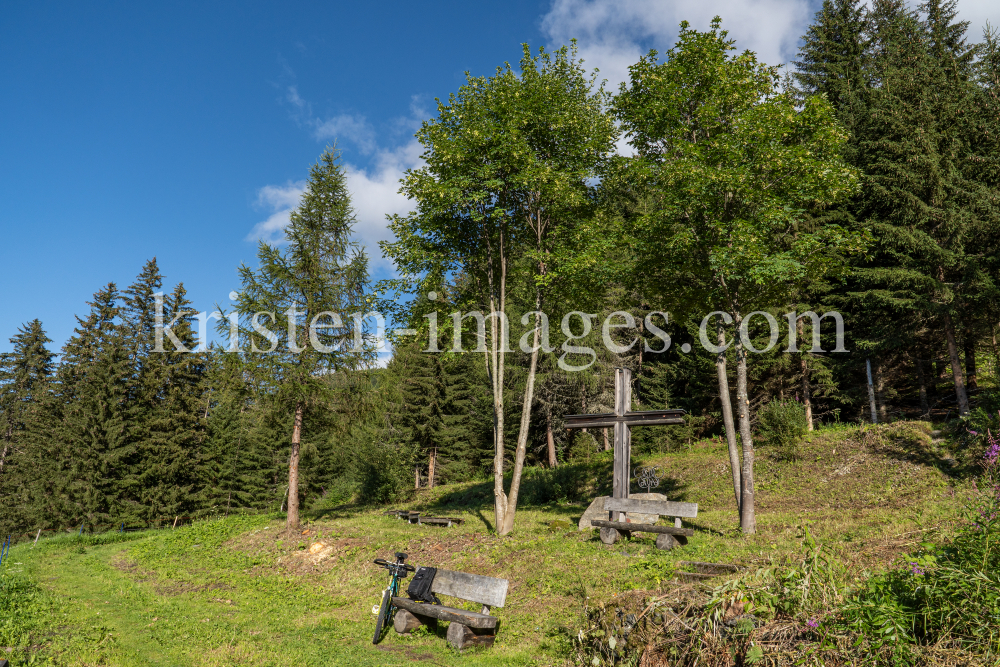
{"x": 667, "y": 537}
{"x": 467, "y": 628}
{"x": 421, "y": 519}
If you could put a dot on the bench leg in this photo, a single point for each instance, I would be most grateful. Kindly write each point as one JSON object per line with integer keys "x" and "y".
{"x": 462, "y": 636}
{"x": 406, "y": 622}
{"x": 666, "y": 542}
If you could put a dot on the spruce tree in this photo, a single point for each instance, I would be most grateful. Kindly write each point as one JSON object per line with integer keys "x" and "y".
{"x": 25, "y": 375}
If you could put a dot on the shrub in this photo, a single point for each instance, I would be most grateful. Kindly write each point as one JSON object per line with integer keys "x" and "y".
{"x": 782, "y": 424}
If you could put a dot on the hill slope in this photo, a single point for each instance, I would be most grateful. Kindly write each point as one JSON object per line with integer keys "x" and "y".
{"x": 241, "y": 590}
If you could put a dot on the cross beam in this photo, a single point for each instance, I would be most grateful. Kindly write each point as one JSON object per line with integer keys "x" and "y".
{"x": 622, "y": 420}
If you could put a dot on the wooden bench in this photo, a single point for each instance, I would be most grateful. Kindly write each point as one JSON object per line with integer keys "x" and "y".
{"x": 422, "y": 519}
{"x": 667, "y": 537}
{"x": 468, "y": 628}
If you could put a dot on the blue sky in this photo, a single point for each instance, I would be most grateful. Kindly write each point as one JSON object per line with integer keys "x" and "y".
{"x": 184, "y": 131}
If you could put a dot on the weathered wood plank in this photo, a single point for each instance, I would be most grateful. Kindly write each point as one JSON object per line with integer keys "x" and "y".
{"x": 451, "y": 614}
{"x": 661, "y": 507}
{"x": 473, "y": 587}
{"x": 644, "y": 528}
{"x": 461, "y": 636}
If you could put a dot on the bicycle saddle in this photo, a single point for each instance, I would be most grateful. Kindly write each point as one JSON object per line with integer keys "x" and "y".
{"x": 401, "y": 556}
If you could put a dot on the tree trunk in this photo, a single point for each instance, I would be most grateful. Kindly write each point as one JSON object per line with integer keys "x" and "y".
{"x": 522, "y": 434}
{"x": 293, "y": 471}
{"x": 883, "y": 412}
{"x": 495, "y": 355}
{"x": 727, "y": 417}
{"x": 604, "y": 433}
{"x": 416, "y": 477}
{"x": 971, "y": 376}
{"x": 925, "y": 405}
{"x": 806, "y": 393}
{"x": 431, "y": 465}
{"x": 549, "y": 439}
{"x": 748, "y": 516}
{"x": 956, "y": 367}
{"x": 871, "y": 391}
{"x": 996, "y": 352}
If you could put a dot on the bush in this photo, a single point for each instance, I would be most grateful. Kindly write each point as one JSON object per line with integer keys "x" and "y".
{"x": 782, "y": 424}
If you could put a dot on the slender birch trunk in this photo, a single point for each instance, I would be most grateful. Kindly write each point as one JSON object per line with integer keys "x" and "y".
{"x": 956, "y": 367}
{"x": 748, "y": 516}
{"x": 871, "y": 391}
{"x": 727, "y": 416}
{"x": 549, "y": 438}
{"x": 806, "y": 389}
{"x": 293, "y": 471}
{"x": 883, "y": 411}
{"x": 522, "y": 434}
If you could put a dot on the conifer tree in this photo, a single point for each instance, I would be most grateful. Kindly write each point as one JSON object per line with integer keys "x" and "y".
{"x": 25, "y": 375}
{"x": 310, "y": 290}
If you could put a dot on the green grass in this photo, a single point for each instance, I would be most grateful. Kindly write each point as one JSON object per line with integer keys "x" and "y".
{"x": 242, "y": 591}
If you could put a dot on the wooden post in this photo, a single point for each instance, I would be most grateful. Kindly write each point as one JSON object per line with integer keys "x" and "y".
{"x": 871, "y": 392}
{"x": 175, "y": 522}
{"x": 623, "y": 438}
{"x": 37, "y": 535}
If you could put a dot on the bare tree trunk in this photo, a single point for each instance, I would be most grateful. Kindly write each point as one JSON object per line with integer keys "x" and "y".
{"x": 549, "y": 439}
{"x": 727, "y": 416}
{"x": 971, "y": 376}
{"x": 432, "y": 464}
{"x": 925, "y": 405}
{"x": 956, "y": 367}
{"x": 806, "y": 393}
{"x": 293, "y": 471}
{"x": 604, "y": 433}
{"x": 3, "y": 455}
{"x": 748, "y": 515}
{"x": 416, "y": 477}
{"x": 871, "y": 391}
{"x": 522, "y": 434}
{"x": 883, "y": 412}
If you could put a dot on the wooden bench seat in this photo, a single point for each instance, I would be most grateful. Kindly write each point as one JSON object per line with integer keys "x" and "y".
{"x": 468, "y": 628}
{"x": 668, "y": 537}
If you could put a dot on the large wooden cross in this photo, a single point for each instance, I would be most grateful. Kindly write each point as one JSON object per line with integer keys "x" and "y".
{"x": 623, "y": 420}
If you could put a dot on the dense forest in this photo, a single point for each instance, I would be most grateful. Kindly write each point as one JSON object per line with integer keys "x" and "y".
{"x": 864, "y": 179}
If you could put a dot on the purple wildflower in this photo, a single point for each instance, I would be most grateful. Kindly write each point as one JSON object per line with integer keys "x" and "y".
{"x": 916, "y": 569}
{"x": 812, "y": 623}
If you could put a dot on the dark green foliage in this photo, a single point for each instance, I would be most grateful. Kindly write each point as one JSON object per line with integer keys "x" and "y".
{"x": 782, "y": 425}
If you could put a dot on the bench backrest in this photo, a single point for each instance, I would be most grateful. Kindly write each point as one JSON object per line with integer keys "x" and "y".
{"x": 660, "y": 507}
{"x": 489, "y": 591}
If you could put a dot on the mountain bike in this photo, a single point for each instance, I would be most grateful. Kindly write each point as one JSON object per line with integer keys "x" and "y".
{"x": 399, "y": 571}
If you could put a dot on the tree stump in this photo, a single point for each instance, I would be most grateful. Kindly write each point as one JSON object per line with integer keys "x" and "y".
{"x": 609, "y": 535}
{"x": 462, "y": 636}
{"x": 406, "y": 622}
{"x": 667, "y": 542}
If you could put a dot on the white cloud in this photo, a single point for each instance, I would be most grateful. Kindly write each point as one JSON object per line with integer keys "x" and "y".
{"x": 355, "y": 129}
{"x": 612, "y": 34}
{"x": 280, "y": 200}
{"x": 374, "y": 193}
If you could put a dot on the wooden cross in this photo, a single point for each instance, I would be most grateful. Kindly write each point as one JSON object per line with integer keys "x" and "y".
{"x": 623, "y": 420}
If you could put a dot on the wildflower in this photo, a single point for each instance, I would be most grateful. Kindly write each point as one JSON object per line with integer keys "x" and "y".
{"x": 916, "y": 569}
{"x": 812, "y": 623}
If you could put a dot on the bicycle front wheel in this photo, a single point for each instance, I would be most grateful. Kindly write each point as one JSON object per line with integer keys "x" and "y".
{"x": 383, "y": 616}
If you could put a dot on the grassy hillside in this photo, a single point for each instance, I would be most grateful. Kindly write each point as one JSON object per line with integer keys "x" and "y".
{"x": 242, "y": 591}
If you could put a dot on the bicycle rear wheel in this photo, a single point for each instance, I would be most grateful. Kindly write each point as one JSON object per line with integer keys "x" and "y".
{"x": 383, "y": 616}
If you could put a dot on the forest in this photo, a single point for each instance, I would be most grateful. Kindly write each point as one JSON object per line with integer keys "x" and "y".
{"x": 862, "y": 179}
